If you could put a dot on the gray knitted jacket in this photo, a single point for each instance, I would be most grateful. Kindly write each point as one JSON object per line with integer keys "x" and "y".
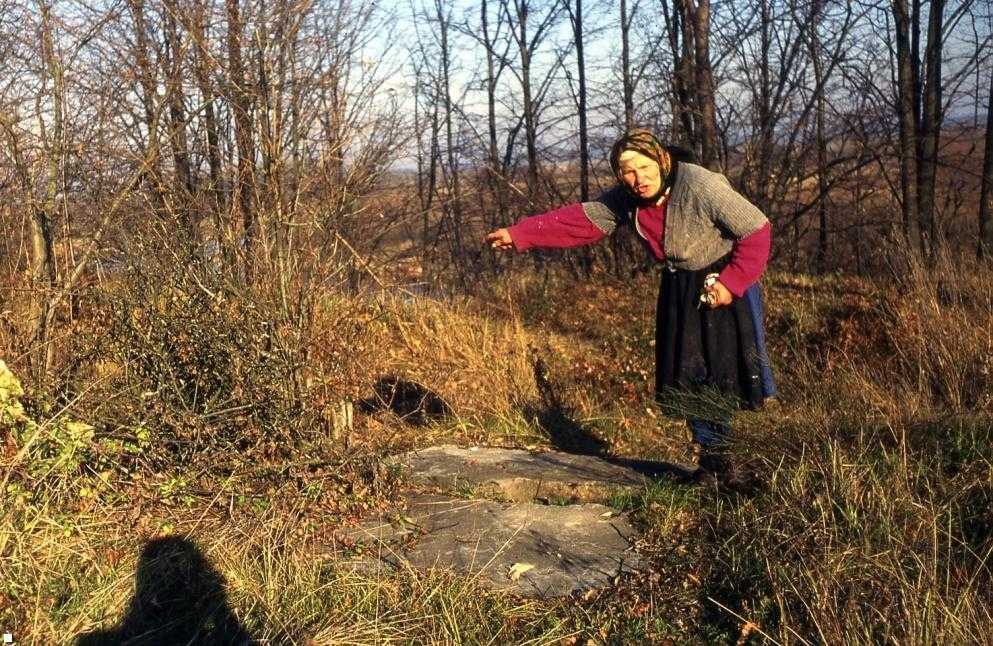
{"x": 704, "y": 217}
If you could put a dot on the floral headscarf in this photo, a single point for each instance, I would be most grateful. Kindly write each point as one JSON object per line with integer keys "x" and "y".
{"x": 643, "y": 142}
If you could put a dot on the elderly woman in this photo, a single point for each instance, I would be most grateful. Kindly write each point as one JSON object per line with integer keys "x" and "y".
{"x": 714, "y": 244}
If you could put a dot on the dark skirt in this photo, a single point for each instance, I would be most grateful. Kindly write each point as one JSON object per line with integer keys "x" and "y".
{"x": 706, "y": 361}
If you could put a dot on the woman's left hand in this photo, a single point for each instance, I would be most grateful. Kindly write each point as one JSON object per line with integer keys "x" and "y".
{"x": 721, "y": 295}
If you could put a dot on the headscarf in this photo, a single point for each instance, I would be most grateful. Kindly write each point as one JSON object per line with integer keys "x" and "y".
{"x": 644, "y": 142}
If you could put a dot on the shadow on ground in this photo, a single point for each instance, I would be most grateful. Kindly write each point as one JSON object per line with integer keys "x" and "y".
{"x": 178, "y": 599}
{"x": 555, "y": 419}
{"x": 653, "y": 469}
{"x": 410, "y": 401}
{"x": 565, "y": 433}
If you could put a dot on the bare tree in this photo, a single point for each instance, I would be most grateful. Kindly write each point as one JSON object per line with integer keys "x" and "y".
{"x": 241, "y": 105}
{"x": 528, "y": 36}
{"x": 43, "y": 270}
{"x": 688, "y": 27}
{"x": 931, "y": 122}
{"x": 174, "y": 73}
{"x": 907, "y": 30}
{"x": 427, "y": 171}
{"x": 453, "y": 203}
{"x": 922, "y": 99}
{"x": 492, "y": 38}
{"x": 434, "y": 69}
{"x": 576, "y": 20}
{"x": 148, "y": 81}
{"x": 683, "y": 126}
{"x": 202, "y": 68}
{"x": 985, "y": 247}
{"x": 627, "y": 83}
{"x": 697, "y": 14}
{"x": 820, "y": 135}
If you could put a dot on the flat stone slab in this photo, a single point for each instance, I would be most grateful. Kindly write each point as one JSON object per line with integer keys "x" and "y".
{"x": 560, "y": 550}
{"x": 515, "y": 474}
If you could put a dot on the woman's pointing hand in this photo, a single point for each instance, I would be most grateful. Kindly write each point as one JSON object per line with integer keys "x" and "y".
{"x": 499, "y": 239}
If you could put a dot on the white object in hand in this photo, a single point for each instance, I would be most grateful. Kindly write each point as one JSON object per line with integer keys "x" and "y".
{"x": 707, "y": 297}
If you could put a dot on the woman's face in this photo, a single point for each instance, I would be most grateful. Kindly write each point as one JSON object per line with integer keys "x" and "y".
{"x": 640, "y": 174}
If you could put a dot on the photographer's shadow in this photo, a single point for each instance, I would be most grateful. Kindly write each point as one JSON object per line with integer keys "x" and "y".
{"x": 178, "y": 599}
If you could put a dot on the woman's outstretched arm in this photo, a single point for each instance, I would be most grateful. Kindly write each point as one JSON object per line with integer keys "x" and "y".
{"x": 573, "y": 225}
{"x": 562, "y": 228}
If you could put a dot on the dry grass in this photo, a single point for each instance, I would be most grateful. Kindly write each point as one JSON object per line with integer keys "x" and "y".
{"x": 874, "y": 527}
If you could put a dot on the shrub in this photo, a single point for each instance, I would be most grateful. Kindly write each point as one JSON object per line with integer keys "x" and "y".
{"x": 208, "y": 364}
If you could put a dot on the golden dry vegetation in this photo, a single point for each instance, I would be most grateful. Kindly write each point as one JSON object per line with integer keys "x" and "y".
{"x": 192, "y": 412}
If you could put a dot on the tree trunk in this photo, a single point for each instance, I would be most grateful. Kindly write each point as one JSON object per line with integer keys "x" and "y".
{"x": 762, "y": 148}
{"x": 584, "y": 145}
{"x": 177, "y": 121}
{"x": 820, "y": 138}
{"x": 682, "y": 119}
{"x": 915, "y": 52}
{"x": 530, "y": 120}
{"x": 244, "y": 136}
{"x": 418, "y": 147}
{"x": 931, "y": 125}
{"x": 688, "y": 73}
{"x": 148, "y": 81}
{"x": 906, "y": 93}
{"x": 43, "y": 268}
{"x": 628, "y": 86}
{"x": 434, "y": 154}
{"x": 202, "y": 70}
{"x": 494, "y": 173}
{"x": 704, "y": 78}
{"x": 986, "y": 192}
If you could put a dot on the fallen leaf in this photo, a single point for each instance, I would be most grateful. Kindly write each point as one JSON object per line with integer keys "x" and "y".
{"x": 746, "y": 630}
{"x": 517, "y": 569}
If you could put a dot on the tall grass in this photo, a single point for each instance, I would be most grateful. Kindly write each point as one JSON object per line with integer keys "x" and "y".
{"x": 874, "y": 525}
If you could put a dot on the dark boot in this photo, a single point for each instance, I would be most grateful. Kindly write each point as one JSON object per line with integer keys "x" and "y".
{"x": 718, "y": 469}
{"x": 712, "y": 467}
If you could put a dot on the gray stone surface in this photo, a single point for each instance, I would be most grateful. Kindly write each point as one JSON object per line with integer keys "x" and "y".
{"x": 571, "y": 548}
{"x": 514, "y": 474}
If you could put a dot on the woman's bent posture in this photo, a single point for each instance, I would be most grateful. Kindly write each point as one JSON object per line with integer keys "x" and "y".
{"x": 714, "y": 244}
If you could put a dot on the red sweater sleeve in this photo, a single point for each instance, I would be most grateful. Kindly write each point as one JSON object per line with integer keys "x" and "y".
{"x": 748, "y": 260}
{"x": 562, "y": 228}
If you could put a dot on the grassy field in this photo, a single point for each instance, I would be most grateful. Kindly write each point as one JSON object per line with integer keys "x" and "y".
{"x": 190, "y": 437}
